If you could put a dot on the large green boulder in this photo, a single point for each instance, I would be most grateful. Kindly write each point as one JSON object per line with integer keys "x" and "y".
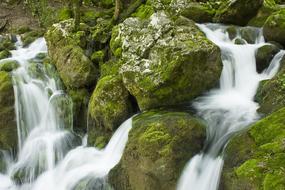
{"x": 8, "y": 126}
{"x": 255, "y": 160}
{"x": 274, "y": 27}
{"x": 65, "y": 49}
{"x": 109, "y": 106}
{"x": 160, "y": 144}
{"x": 165, "y": 62}
{"x": 271, "y": 93}
{"x": 237, "y": 12}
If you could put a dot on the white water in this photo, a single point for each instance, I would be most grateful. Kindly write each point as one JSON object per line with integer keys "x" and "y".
{"x": 50, "y": 155}
{"x": 227, "y": 110}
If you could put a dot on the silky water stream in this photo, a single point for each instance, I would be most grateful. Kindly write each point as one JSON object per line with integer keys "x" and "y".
{"x": 229, "y": 109}
{"x": 50, "y": 157}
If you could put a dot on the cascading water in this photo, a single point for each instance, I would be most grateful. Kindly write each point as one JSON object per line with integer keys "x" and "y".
{"x": 229, "y": 109}
{"x": 51, "y": 156}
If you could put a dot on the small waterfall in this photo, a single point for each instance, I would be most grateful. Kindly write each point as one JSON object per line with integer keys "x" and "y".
{"x": 50, "y": 155}
{"x": 229, "y": 109}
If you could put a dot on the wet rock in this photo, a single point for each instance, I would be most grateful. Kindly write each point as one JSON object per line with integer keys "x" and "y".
{"x": 255, "y": 160}
{"x": 264, "y": 56}
{"x": 237, "y": 12}
{"x": 74, "y": 67}
{"x": 4, "y": 54}
{"x": 109, "y": 106}
{"x": 8, "y": 126}
{"x": 274, "y": 28}
{"x": 165, "y": 62}
{"x": 8, "y": 65}
{"x": 160, "y": 143}
{"x": 271, "y": 93}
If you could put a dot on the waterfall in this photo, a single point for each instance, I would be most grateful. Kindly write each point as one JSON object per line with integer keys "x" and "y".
{"x": 229, "y": 109}
{"x": 50, "y": 155}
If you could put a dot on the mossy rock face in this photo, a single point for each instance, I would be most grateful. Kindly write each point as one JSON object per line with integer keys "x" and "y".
{"x": 6, "y": 43}
{"x": 264, "y": 56}
{"x": 8, "y": 126}
{"x": 109, "y": 106}
{"x": 30, "y": 36}
{"x": 268, "y": 7}
{"x": 74, "y": 67}
{"x": 261, "y": 156}
{"x": 8, "y": 65}
{"x": 271, "y": 93}
{"x": 237, "y": 12}
{"x": 198, "y": 11}
{"x": 4, "y": 54}
{"x": 274, "y": 27}
{"x": 160, "y": 143}
{"x": 165, "y": 62}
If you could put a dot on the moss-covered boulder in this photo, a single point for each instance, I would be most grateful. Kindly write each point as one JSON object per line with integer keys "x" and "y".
{"x": 64, "y": 45}
{"x": 268, "y": 7}
{"x": 237, "y": 12}
{"x": 6, "y": 43}
{"x": 4, "y": 54}
{"x": 109, "y": 106}
{"x": 8, "y": 65}
{"x": 165, "y": 62}
{"x": 264, "y": 56}
{"x": 160, "y": 143}
{"x": 256, "y": 160}
{"x": 274, "y": 27}
{"x": 271, "y": 93}
{"x": 30, "y": 36}
{"x": 8, "y": 126}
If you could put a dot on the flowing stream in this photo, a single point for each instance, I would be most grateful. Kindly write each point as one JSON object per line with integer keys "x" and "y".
{"x": 50, "y": 155}
{"x": 229, "y": 109}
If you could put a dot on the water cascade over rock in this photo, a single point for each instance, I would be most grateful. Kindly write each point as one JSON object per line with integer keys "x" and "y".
{"x": 50, "y": 155}
{"x": 229, "y": 109}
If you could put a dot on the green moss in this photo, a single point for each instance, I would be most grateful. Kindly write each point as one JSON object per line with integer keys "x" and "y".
{"x": 98, "y": 56}
{"x": 64, "y": 14}
{"x": 4, "y": 54}
{"x": 29, "y": 37}
{"x": 158, "y": 149}
{"x": 274, "y": 27}
{"x": 144, "y": 12}
{"x": 109, "y": 106}
{"x": 8, "y": 126}
{"x": 263, "y": 168}
{"x": 9, "y": 65}
{"x": 6, "y": 43}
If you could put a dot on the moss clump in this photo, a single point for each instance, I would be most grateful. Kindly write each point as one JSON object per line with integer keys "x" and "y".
{"x": 98, "y": 56}
{"x": 159, "y": 145}
{"x": 65, "y": 13}
{"x": 144, "y": 12}
{"x": 109, "y": 106}
{"x": 262, "y": 167}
